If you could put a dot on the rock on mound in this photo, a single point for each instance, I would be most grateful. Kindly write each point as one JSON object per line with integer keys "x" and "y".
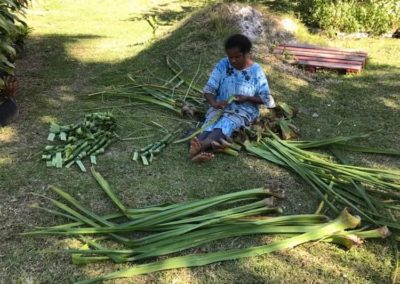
{"x": 260, "y": 26}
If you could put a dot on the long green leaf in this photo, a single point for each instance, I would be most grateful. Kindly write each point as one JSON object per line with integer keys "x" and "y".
{"x": 344, "y": 221}
{"x": 107, "y": 189}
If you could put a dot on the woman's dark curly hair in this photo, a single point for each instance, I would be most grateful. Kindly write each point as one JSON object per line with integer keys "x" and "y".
{"x": 238, "y": 41}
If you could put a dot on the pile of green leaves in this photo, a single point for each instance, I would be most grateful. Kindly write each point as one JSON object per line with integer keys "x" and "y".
{"x": 145, "y": 233}
{"x": 279, "y": 120}
{"x": 87, "y": 138}
{"x": 371, "y": 192}
{"x": 372, "y": 16}
{"x": 176, "y": 94}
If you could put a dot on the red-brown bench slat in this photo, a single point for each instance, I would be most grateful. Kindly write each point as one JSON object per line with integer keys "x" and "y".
{"x": 333, "y": 60}
{"x": 313, "y": 57}
{"x": 329, "y": 65}
{"x": 292, "y": 45}
{"x": 320, "y": 54}
{"x": 315, "y": 50}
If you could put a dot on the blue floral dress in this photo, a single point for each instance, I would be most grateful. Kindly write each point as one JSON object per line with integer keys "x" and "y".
{"x": 226, "y": 81}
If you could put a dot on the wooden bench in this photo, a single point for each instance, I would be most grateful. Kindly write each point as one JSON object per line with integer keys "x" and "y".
{"x": 313, "y": 57}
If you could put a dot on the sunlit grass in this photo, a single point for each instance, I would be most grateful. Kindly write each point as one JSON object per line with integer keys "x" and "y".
{"x": 133, "y": 34}
{"x": 380, "y": 50}
{"x": 47, "y": 119}
{"x": 8, "y": 134}
{"x": 70, "y": 243}
{"x": 4, "y": 161}
{"x": 391, "y": 102}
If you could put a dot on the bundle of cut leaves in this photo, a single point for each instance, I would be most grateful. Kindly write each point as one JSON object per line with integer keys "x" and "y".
{"x": 146, "y": 233}
{"x": 175, "y": 93}
{"x": 279, "y": 120}
{"x": 87, "y": 138}
{"x": 147, "y": 153}
{"x": 371, "y": 192}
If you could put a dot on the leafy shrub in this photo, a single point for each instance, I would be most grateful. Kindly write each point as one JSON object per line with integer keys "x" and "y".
{"x": 372, "y": 16}
{"x": 12, "y": 29}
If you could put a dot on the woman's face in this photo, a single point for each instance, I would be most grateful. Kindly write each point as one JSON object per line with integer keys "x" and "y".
{"x": 237, "y": 58}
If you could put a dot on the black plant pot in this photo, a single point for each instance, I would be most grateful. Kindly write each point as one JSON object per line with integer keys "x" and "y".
{"x": 8, "y": 111}
{"x": 396, "y": 34}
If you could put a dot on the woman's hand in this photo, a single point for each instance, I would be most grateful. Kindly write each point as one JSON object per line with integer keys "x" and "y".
{"x": 241, "y": 99}
{"x": 219, "y": 105}
{"x": 213, "y": 103}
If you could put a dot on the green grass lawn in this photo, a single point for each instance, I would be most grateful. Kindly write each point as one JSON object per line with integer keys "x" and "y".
{"x": 78, "y": 47}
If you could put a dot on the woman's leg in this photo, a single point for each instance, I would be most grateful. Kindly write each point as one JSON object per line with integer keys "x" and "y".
{"x": 213, "y": 139}
{"x": 216, "y": 135}
{"x": 205, "y": 140}
{"x": 199, "y": 148}
{"x": 202, "y": 136}
{"x": 196, "y": 144}
{"x": 200, "y": 143}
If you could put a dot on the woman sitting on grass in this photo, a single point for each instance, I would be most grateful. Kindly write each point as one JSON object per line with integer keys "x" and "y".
{"x": 234, "y": 76}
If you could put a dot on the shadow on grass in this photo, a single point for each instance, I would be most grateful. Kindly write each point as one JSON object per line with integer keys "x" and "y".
{"x": 50, "y": 82}
{"x": 332, "y": 104}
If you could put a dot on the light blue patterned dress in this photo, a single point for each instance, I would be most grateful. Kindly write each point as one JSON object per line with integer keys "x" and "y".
{"x": 226, "y": 81}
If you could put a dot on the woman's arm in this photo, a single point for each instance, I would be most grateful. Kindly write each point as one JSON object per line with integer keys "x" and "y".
{"x": 211, "y": 88}
{"x": 247, "y": 99}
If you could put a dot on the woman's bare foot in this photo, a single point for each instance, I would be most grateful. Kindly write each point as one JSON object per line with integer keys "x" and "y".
{"x": 203, "y": 157}
{"x": 195, "y": 147}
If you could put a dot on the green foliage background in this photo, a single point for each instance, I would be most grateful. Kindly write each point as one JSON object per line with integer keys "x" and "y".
{"x": 12, "y": 32}
{"x": 372, "y": 16}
